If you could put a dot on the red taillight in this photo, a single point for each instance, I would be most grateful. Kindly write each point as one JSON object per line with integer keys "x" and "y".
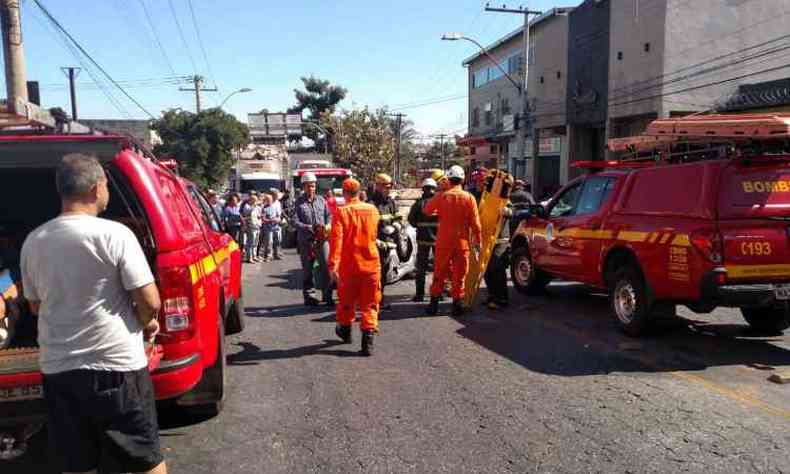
{"x": 710, "y": 245}
{"x": 176, "y": 320}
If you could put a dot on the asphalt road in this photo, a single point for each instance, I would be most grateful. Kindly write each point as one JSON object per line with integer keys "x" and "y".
{"x": 547, "y": 386}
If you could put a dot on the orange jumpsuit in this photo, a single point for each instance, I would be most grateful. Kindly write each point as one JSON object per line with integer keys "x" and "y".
{"x": 459, "y": 226}
{"x": 354, "y": 256}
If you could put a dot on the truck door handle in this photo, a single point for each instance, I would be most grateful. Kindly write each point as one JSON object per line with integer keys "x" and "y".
{"x": 593, "y": 224}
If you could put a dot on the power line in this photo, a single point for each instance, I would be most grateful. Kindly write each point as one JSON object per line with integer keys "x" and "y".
{"x": 183, "y": 38}
{"x": 156, "y": 37}
{"x": 90, "y": 58}
{"x": 430, "y": 102}
{"x": 200, "y": 42}
{"x": 703, "y": 86}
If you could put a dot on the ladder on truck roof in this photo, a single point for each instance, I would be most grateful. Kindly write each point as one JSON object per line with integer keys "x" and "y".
{"x": 702, "y": 137}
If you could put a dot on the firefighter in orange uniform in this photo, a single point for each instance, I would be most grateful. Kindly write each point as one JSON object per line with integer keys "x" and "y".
{"x": 354, "y": 265}
{"x": 459, "y": 232}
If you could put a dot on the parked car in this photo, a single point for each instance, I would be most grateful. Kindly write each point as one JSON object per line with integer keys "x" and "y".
{"x": 703, "y": 234}
{"x": 197, "y": 267}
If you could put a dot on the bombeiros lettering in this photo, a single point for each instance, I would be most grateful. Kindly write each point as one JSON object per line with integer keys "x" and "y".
{"x": 781, "y": 186}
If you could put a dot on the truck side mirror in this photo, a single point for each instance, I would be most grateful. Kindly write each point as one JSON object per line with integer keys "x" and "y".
{"x": 538, "y": 210}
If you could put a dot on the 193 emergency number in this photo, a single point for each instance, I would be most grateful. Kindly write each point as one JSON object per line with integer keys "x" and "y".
{"x": 756, "y": 248}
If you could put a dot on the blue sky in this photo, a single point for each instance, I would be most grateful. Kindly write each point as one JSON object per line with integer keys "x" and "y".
{"x": 384, "y": 52}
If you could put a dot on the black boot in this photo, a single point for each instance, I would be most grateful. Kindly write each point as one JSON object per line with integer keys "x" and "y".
{"x": 344, "y": 333}
{"x": 458, "y": 308}
{"x": 367, "y": 343}
{"x": 433, "y": 306}
{"x": 418, "y": 298}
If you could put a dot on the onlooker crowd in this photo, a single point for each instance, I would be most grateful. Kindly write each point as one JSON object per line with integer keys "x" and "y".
{"x": 256, "y": 224}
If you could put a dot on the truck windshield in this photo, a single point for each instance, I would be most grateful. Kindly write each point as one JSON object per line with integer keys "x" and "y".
{"x": 248, "y": 185}
{"x": 324, "y": 182}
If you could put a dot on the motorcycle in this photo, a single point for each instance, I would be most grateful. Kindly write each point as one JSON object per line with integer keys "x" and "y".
{"x": 398, "y": 252}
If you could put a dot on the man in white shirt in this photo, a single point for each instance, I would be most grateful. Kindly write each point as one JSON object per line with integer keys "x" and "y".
{"x": 90, "y": 284}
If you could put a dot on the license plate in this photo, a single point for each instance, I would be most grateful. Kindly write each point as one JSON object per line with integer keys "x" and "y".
{"x": 30, "y": 392}
{"x": 782, "y": 292}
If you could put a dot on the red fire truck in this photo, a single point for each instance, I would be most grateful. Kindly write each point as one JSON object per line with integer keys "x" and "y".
{"x": 696, "y": 212}
{"x": 197, "y": 268}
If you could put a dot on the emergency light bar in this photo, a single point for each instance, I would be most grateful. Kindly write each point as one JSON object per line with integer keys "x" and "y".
{"x": 599, "y": 165}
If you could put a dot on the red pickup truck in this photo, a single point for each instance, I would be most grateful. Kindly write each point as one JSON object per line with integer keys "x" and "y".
{"x": 708, "y": 227}
{"x": 197, "y": 267}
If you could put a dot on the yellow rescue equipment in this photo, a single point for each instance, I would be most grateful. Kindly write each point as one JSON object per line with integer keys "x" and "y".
{"x": 495, "y": 198}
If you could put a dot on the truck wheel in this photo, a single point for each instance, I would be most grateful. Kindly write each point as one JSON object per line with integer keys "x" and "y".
{"x": 768, "y": 319}
{"x": 208, "y": 397}
{"x": 631, "y": 304}
{"x": 526, "y": 278}
{"x": 235, "y": 321}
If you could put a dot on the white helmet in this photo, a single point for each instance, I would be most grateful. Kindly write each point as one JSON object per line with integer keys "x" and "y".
{"x": 429, "y": 182}
{"x": 309, "y": 178}
{"x": 456, "y": 171}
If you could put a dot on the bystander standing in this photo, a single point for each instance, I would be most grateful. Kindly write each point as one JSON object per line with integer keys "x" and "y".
{"x": 94, "y": 307}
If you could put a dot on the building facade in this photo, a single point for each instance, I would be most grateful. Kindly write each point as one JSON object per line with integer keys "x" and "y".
{"x": 494, "y": 102}
{"x": 674, "y": 57}
{"x": 546, "y": 164}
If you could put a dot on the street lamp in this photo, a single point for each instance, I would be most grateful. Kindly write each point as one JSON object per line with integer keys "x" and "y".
{"x": 459, "y": 36}
{"x": 240, "y": 91}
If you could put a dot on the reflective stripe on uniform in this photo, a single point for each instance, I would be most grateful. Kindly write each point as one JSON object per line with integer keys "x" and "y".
{"x": 427, "y": 224}
{"x": 503, "y": 241}
{"x": 425, "y": 243}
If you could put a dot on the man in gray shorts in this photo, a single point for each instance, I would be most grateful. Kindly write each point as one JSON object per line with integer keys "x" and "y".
{"x": 88, "y": 280}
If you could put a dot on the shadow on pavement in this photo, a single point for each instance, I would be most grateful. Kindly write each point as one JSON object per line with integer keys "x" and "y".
{"x": 570, "y": 332}
{"x": 251, "y": 354}
{"x": 289, "y": 279}
{"x": 285, "y": 311}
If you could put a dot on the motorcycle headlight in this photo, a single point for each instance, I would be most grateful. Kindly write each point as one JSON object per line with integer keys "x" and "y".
{"x": 388, "y": 230}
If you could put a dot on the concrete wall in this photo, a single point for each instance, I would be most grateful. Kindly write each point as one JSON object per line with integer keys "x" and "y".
{"x": 703, "y": 29}
{"x": 493, "y": 92}
{"x": 139, "y": 129}
{"x": 636, "y": 56}
{"x": 588, "y": 63}
{"x": 549, "y": 41}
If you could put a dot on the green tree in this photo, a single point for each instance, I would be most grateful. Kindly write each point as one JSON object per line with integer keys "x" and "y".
{"x": 363, "y": 141}
{"x": 202, "y": 144}
{"x": 319, "y": 97}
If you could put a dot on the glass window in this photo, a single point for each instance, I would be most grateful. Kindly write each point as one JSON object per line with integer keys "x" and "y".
{"x": 565, "y": 204}
{"x": 513, "y": 63}
{"x": 209, "y": 218}
{"x": 595, "y": 192}
{"x": 476, "y": 117}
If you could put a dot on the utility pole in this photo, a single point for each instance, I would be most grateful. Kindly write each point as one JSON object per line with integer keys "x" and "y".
{"x": 72, "y": 73}
{"x": 526, "y": 120}
{"x": 442, "y": 136}
{"x": 14, "y": 55}
{"x": 398, "y": 124}
{"x": 198, "y": 81}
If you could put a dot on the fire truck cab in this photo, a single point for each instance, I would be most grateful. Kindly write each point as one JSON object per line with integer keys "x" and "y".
{"x": 697, "y": 213}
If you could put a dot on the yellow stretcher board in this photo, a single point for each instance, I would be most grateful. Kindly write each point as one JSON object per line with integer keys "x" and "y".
{"x": 495, "y": 198}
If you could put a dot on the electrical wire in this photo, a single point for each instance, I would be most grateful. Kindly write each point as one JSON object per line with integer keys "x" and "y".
{"x": 156, "y": 37}
{"x": 183, "y": 38}
{"x": 64, "y": 42}
{"x": 90, "y": 58}
{"x": 201, "y": 43}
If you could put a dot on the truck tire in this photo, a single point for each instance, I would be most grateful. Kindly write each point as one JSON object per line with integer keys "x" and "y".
{"x": 235, "y": 320}
{"x": 526, "y": 278}
{"x": 630, "y": 301}
{"x": 208, "y": 397}
{"x": 768, "y": 319}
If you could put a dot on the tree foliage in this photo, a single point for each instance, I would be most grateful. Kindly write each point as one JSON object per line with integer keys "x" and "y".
{"x": 202, "y": 144}
{"x": 319, "y": 97}
{"x": 363, "y": 141}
